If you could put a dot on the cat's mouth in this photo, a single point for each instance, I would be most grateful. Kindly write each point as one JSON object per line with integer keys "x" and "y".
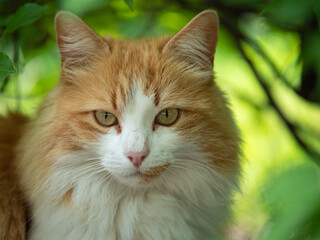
{"x": 138, "y": 174}
{"x": 149, "y": 173}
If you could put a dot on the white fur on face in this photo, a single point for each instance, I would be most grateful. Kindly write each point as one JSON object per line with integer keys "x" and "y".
{"x": 137, "y": 135}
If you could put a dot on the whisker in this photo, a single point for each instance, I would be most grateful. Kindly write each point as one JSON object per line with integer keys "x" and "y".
{"x": 202, "y": 165}
{"x": 92, "y": 174}
{"x": 77, "y": 162}
{"x": 85, "y": 172}
{"x": 216, "y": 186}
{"x": 205, "y": 165}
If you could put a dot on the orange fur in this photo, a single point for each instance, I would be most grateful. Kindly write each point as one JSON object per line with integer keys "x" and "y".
{"x": 102, "y": 81}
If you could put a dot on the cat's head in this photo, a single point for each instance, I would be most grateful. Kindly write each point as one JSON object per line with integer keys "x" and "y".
{"x": 142, "y": 110}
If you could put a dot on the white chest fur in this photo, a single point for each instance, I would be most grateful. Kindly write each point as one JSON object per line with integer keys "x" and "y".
{"x": 115, "y": 213}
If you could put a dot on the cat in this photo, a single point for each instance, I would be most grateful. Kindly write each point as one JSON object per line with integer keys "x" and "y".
{"x": 135, "y": 142}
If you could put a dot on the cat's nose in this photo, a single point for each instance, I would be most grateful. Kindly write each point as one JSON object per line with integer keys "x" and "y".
{"x": 137, "y": 157}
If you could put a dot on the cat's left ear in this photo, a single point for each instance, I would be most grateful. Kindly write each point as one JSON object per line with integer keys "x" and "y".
{"x": 197, "y": 41}
{"x": 78, "y": 43}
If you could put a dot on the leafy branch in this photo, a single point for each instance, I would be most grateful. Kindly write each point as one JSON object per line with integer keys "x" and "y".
{"x": 25, "y": 15}
{"x": 230, "y": 14}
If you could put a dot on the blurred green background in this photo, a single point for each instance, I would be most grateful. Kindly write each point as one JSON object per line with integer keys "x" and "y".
{"x": 267, "y": 61}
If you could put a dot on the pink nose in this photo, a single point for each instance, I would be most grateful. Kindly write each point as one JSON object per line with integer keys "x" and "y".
{"x": 137, "y": 157}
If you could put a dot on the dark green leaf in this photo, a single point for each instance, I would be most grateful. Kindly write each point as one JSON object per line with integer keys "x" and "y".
{"x": 316, "y": 10}
{"x": 4, "y": 21}
{"x": 289, "y": 13}
{"x": 25, "y": 15}
{"x": 130, "y": 4}
{"x": 6, "y": 66}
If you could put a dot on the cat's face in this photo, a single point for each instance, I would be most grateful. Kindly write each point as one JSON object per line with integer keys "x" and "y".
{"x": 145, "y": 143}
{"x": 146, "y": 109}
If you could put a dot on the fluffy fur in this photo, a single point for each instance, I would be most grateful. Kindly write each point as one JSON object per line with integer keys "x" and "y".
{"x": 74, "y": 173}
{"x": 13, "y": 213}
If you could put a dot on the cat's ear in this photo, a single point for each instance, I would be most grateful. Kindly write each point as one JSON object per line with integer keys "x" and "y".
{"x": 197, "y": 41}
{"x": 76, "y": 41}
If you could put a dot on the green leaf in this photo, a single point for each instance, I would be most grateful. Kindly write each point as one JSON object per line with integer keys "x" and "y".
{"x": 27, "y": 14}
{"x": 130, "y": 4}
{"x": 293, "y": 202}
{"x": 6, "y": 66}
{"x": 4, "y": 21}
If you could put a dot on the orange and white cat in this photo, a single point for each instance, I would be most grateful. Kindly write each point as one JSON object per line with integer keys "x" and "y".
{"x": 135, "y": 142}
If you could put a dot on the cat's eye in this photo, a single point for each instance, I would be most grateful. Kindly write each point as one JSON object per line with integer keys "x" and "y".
{"x": 105, "y": 118}
{"x": 167, "y": 117}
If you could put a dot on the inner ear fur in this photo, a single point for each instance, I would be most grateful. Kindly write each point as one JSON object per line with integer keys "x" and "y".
{"x": 197, "y": 41}
{"x": 77, "y": 42}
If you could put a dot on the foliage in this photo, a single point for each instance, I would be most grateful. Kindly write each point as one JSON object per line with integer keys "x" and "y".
{"x": 268, "y": 60}
{"x": 129, "y": 3}
{"x": 296, "y": 216}
{"x": 6, "y": 66}
{"x": 25, "y": 15}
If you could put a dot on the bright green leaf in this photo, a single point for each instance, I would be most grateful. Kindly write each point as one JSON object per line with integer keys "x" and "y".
{"x": 25, "y": 15}
{"x": 130, "y": 4}
{"x": 293, "y": 200}
{"x": 6, "y": 66}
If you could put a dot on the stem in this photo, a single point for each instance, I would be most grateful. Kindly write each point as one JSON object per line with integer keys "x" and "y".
{"x": 272, "y": 102}
{"x": 16, "y": 64}
{"x": 4, "y": 84}
{"x": 238, "y": 37}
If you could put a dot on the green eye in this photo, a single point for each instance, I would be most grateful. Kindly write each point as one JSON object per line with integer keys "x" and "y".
{"x": 167, "y": 117}
{"x": 105, "y": 118}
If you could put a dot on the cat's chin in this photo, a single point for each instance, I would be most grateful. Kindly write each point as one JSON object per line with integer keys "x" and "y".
{"x": 138, "y": 179}
{"x": 144, "y": 177}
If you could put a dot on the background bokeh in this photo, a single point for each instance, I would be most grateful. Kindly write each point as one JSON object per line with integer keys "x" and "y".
{"x": 267, "y": 62}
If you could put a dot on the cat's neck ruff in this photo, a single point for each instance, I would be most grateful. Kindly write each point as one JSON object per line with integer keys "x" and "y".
{"x": 99, "y": 207}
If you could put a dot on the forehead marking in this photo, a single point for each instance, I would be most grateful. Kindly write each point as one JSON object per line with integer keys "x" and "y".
{"x": 114, "y": 100}
{"x": 122, "y": 93}
{"x": 156, "y": 97}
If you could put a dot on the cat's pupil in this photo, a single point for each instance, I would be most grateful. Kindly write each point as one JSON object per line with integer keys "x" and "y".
{"x": 167, "y": 113}
{"x": 105, "y": 115}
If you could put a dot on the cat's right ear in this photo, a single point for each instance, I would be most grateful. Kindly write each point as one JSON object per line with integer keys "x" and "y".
{"x": 196, "y": 43}
{"x": 76, "y": 41}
